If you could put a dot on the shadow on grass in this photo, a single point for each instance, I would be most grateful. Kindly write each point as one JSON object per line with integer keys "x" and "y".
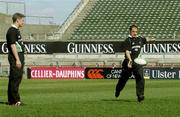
{"x": 118, "y": 100}
{"x": 4, "y": 103}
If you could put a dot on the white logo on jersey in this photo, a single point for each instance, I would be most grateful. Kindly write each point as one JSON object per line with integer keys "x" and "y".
{"x": 136, "y": 47}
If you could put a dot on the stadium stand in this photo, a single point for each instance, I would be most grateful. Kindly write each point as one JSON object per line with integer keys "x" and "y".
{"x": 31, "y": 32}
{"x": 104, "y": 20}
{"x": 110, "y": 19}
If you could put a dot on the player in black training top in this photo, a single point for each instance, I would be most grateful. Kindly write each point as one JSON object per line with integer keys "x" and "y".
{"x": 132, "y": 45}
{"x": 16, "y": 59}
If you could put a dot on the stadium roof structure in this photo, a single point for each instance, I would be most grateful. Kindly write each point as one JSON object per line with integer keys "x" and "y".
{"x": 16, "y": 1}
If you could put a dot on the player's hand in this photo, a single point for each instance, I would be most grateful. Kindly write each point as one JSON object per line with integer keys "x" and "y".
{"x": 130, "y": 64}
{"x": 18, "y": 64}
{"x": 151, "y": 39}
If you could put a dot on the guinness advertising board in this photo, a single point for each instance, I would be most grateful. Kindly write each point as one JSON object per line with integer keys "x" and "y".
{"x": 158, "y": 47}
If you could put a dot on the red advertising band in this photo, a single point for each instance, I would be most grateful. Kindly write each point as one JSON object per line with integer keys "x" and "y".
{"x": 98, "y": 73}
{"x": 55, "y": 73}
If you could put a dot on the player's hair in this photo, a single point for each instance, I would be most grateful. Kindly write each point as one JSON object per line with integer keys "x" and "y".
{"x": 17, "y": 16}
{"x": 133, "y": 26}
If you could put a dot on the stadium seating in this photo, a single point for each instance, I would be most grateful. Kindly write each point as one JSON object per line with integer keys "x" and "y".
{"x": 110, "y": 19}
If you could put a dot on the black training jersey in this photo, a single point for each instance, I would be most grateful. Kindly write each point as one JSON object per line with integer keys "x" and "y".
{"x": 134, "y": 45}
{"x": 13, "y": 36}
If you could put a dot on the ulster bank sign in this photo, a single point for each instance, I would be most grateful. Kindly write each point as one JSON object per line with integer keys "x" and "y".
{"x": 162, "y": 73}
{"x": 113, "y": 47}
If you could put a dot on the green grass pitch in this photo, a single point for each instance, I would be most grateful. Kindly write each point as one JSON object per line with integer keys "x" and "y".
{"x": 92, "y": 98}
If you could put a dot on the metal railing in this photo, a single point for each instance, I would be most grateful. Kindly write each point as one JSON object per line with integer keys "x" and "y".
{"x": 8, "y": 7}
{"x": 72, "y": 17}
{"x": 40, "y": 20}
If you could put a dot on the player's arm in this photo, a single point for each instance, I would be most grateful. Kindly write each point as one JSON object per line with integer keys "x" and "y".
{"x": 127, "y": 50}
{"x": 128, "y": 55}
{"x": 15, "y": 53}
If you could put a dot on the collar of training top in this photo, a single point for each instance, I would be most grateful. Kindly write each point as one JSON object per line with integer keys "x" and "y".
{"x": 131, "y": 36}
{"x": 14, "y": 26}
